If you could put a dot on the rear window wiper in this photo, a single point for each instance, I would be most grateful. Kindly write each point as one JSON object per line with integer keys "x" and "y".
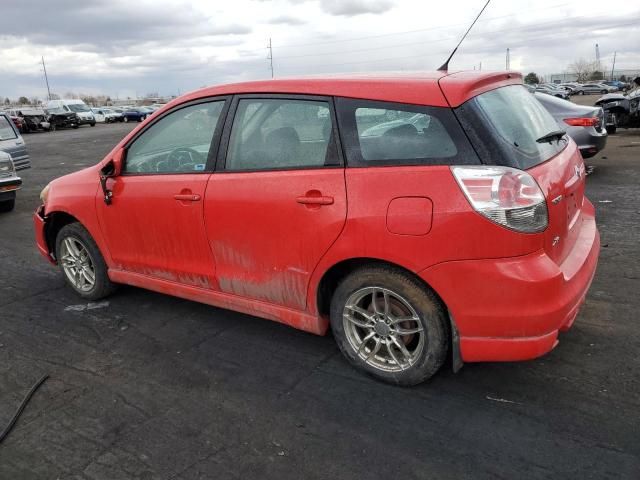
{"x": 556, "y": 134}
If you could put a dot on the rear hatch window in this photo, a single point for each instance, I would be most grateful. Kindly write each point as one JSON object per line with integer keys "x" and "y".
{"x": 6, "y": 130}
{"x": 504, "y": 126}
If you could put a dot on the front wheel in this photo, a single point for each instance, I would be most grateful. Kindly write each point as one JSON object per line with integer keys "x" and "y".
{"x": 81, "y": 262}
{"x": 389, "y": 325}
{"x": 126, "y": 119}
{"x": 93, "y": 124}
{"x": 581, "y": 92}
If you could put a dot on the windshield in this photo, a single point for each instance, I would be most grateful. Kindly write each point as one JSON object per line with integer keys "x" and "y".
{"x": 78, "y": 107}
{"x": 55, "y": 110}
{"x": 504, "y": 125}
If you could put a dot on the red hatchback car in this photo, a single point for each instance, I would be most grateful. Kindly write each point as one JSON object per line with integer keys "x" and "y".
{"x": 417, "y": 216}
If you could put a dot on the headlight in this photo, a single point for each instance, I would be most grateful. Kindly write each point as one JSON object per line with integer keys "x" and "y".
{"x": 44, "y": 194}
{"x": 7, "y": 169}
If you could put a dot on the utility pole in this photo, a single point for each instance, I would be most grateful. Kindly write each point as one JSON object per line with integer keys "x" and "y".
{"x": 614, "y": 64}
{"x": 480, "y": 67}
{"x": 508, "y": 61}
{"x": 46, "y": 79}
{"x": 270, "y": 57}
{"x": 597, "y": 57}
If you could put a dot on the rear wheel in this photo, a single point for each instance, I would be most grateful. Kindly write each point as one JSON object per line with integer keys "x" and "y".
{"x": 581, "y": 92}
{"x": 603, "y": 91}
{"x": 7, "y": 205}
{"x": 389, "y": 325}
{"x": 611, "y": 130}
{"x": 126, "y": 119}
{"x": 81, "y": 262}
{"x": 93, "y": 124}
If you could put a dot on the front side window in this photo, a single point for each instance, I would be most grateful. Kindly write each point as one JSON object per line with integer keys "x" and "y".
{"x": 280, "y": 134}
{"x": 6, "y": 130}
{"x": 383, "y": 133}
{"x": 178, "y": 142}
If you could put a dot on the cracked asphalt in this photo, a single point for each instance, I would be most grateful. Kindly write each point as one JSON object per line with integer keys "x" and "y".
{"x": 152, "y": 387}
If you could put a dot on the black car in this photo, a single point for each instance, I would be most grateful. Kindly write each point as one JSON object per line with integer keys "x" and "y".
{"x": 585, "y": 125}
{"x": 621, "y": 110}
{"x": 58, "y": 118}
{"x": 32, "y": 118}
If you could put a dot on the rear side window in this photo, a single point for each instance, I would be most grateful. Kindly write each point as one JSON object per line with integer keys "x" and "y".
{"x": 6, "y": 130}
{"x": 504, "y": 125}
{"x": 270, "y": 134}
{"x": 383, "y": 133}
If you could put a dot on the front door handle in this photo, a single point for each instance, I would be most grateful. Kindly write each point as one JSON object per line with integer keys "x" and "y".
{"x": 187, "y": 197}
{"x": 313, "y": 200}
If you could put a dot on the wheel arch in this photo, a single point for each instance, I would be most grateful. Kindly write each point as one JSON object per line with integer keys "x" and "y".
{"x": 55, "y": 221}
{"x": 333, "y": 275}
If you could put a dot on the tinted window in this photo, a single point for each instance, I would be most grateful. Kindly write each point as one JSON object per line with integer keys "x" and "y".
{"x": 178, "y": 142}
{"x": 382, "y": 133}
{"x": 6, "y": 130}
{"x": 504, "y": 125}
{"x": 280, "y": 133}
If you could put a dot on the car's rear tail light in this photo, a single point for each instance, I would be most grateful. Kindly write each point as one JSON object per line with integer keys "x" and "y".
{"x": 582, "y": 121}
{"x": 506, "y": 196}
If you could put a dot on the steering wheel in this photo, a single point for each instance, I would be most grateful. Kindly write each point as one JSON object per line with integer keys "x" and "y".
{"x": 183, "y": 157}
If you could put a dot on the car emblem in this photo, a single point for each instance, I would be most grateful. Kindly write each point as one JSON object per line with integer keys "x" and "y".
{"x": 578, "y": 171}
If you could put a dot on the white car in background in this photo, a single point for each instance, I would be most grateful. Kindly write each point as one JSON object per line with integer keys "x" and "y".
{"x": 106, "y": 115}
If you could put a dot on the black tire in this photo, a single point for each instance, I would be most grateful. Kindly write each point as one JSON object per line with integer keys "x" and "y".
{"x": 52, "y": 127}
{"x": 603, "y": 92}
{"x": 581, "y": 92}
{"x": 7, "y": 205}
{"x": 76, "y": 126}
{"x": 431, "y": 317}
{"x": 102, "y": 287}
{"x": 93, "y": 124}
{"x": 612, "y": 130}
{"x": 142, "y": 118}
{"x": 125, "y": 119}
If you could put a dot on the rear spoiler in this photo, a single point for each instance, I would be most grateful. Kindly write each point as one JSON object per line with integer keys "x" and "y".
{"x": 462, "y": 86}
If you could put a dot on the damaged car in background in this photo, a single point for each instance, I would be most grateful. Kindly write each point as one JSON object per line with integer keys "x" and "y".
{"x": 32, "y": 119}
{"x": 58, "y": 118}
{"x": 621, "y": 110}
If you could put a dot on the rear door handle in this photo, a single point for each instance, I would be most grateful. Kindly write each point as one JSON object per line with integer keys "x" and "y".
{"x": 321, "y": 200}
{"x": 187, "y": 197}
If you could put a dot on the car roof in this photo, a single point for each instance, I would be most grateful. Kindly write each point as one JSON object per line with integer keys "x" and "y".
{"x": 440, "y": 89}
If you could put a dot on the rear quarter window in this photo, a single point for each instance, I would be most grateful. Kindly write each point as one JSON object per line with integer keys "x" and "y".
{"x": 504, "y": 125}
{"x": 386, "y": 134}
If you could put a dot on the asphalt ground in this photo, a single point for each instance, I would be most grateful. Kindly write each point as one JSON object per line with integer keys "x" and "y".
{"x": 147, "y": 386}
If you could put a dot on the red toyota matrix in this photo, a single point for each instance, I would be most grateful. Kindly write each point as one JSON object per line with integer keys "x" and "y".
{"x": 416, "y": 216}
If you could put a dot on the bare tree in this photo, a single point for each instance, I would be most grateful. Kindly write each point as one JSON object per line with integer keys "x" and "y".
{"x": 583, "y": 69}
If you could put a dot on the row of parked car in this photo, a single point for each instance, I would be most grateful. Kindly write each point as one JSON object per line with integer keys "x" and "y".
{"x": 565, "y": 90}
{"x": 73, "y": 113}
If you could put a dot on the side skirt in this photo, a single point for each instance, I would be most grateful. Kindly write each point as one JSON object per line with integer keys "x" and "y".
{"x": 277, "y": 313}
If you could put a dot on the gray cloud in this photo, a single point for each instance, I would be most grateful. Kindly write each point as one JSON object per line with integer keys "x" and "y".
{"x": 286, "y": 20}
{"x": 106, "y": 22}
{"x": 355, "y": 7}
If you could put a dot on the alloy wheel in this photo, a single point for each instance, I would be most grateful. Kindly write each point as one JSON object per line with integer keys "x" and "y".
{"x": 383, "y": 329}
{"x": 77, "y": 264}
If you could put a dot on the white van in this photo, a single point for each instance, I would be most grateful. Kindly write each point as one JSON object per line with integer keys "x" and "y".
{"x": 75, "y": 105}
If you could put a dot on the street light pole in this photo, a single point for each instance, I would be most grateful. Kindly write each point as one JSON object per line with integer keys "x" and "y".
{"x": 46, "y": 79}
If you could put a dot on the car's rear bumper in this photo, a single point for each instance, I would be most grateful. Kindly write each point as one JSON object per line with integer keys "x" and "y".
{"x": 513, "y": 308}
{"x": 592, "y": 143}
{"x": 39, "y": 227}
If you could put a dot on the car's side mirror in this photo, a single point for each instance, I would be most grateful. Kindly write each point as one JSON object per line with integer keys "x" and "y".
{"x": 110, "y": 169}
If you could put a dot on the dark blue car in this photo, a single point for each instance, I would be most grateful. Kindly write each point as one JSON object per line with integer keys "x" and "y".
{"x": 137, "y": 113}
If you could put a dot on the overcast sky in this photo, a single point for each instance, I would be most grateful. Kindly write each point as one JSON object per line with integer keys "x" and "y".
{"x": 127, "y": 48}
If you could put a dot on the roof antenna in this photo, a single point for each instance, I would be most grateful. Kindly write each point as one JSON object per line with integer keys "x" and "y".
{"x": 445, "y": 65}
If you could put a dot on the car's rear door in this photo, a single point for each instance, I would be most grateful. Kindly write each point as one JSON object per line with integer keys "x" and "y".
{"x": 277, "y": 201}
{"x": 154, "y": 225}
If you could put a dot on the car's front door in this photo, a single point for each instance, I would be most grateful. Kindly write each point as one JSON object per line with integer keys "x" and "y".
{"x": 154, "y": 225}
{"x": 278, "y": 202}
